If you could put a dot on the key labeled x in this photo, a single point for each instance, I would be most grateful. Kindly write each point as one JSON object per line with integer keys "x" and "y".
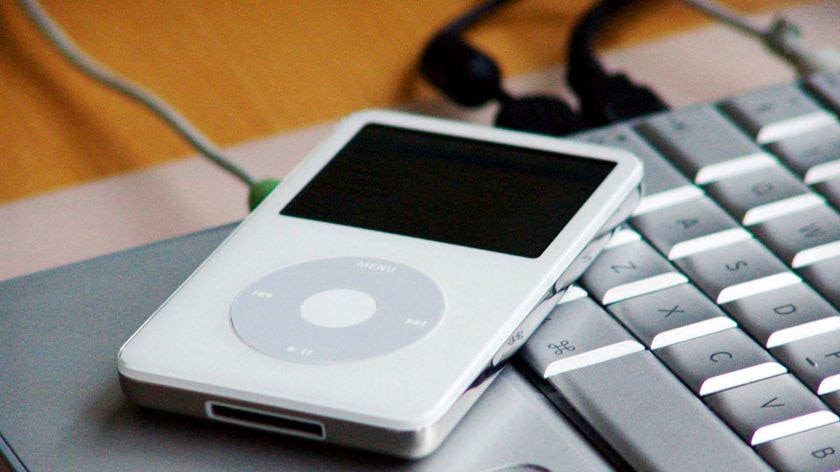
{"x": 670, "y": 311}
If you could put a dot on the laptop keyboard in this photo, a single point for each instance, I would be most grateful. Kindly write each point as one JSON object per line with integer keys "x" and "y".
{"x": 706, "y": 336}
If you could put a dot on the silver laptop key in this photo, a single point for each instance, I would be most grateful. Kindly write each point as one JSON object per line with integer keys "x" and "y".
{"x": 815, "y": 450}
{"x": 736, "y": 271}
{"x": 650, "y": 419}
{"x": 627, "y": 271}
{"x": 777, "y": 112}
{"x": 670, "y": 316}
{"x": 824, "y": 277}
{"x": 831, "y": 190}
{"x": 826, "y": 87}
{"x": 577, "y": 334}
{"x": 663, "y": 184}
{"x": 784, "y": 315}
{"x": 693, "y": 226}
{"x": 804, "y": 237}
{"x": 719, "y": 361}
{"x": 832, "y": 400}
{"x": 816, "y": 361}
{"x": 623, "y": 236}
{"x": 770, "y": 409}
{"x": 574, "y": 292}
{"x": 704, "y": 143}
{"x": 815, "y": 155}
{"x": 763, "y": 195}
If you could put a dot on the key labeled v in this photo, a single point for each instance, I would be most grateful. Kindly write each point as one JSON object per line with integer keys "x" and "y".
{"x": 770, "y": 403}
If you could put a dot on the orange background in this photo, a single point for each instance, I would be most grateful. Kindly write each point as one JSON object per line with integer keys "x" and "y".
{"x": 247, "y": 69}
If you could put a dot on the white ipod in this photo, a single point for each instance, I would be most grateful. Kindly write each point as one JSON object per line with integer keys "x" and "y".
{"x": 367, "y": 300}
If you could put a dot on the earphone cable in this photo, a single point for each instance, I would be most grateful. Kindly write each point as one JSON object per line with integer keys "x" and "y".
{"x": 56, "y": 35}
{"x": 473, "y": 16}
{"x": 782, "y": 38}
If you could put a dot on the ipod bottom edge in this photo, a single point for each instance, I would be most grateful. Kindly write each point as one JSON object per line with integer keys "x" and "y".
{"x": 409, "y": 444}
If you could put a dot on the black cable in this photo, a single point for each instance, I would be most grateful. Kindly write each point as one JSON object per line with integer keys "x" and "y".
{"x": 473, "y": 16}
{"x": 583, "y": 65}
{"x": 604, "y": 97}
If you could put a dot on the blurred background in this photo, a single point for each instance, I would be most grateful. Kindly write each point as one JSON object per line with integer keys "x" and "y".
{"x": 242, "y": 70}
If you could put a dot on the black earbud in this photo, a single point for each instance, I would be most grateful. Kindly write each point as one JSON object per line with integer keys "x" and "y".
{"x": 462, "y": 72}
{"x": 471, "y": 78}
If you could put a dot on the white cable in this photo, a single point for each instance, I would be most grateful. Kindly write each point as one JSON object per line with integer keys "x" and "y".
{"x": 726, "y": 15}
{"x": 782, "y": 38}
{"x": 158, "y": 106}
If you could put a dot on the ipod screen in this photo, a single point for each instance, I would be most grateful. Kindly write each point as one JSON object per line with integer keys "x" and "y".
{"x": 449, "y": 189}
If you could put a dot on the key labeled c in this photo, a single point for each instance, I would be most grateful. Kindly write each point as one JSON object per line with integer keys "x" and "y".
{"x": 720, "y": 355}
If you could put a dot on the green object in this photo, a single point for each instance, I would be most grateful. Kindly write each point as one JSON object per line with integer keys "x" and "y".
{"x": 260, "y": 190}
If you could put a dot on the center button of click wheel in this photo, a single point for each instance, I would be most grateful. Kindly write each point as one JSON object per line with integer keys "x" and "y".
{"x": 338, "y": 308}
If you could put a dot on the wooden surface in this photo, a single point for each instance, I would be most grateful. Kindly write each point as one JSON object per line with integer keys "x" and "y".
{"x": 246, "y": 69}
